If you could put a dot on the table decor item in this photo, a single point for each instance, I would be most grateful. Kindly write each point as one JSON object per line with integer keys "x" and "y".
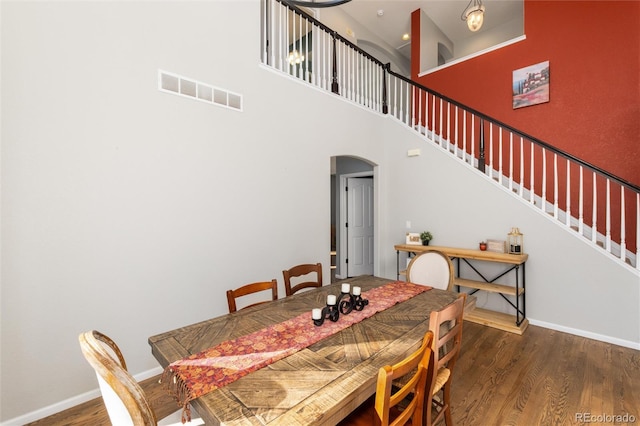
{"x": 515, "y": 241}
{"x": 496, "y": 246}
{"x": 425, "y": 237}
{"x": 413, "y": 238}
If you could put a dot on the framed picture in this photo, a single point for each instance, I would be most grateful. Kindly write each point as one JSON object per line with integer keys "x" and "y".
{"x": 496, "y": 246}
{"x": 414, "y": 238}
{"x": 531, "y": 85}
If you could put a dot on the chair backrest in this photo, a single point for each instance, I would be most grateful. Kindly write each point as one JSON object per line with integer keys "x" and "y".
{"x": 301, "y": 270}
{"x": 124, "y": 399}
{"x": 446, "y": 325}
{"x": 232, "y": 295}
{"x": 432, "y": 268}
{"x": 415, "y": 366}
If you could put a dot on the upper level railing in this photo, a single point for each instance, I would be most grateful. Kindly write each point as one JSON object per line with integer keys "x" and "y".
{"x": 596, "y": 204}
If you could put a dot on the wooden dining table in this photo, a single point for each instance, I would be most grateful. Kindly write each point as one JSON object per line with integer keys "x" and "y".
{"x": 318, "y": 385}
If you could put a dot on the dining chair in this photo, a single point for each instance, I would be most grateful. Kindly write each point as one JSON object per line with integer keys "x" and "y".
{"x": 432, "y": 268}
{"x": 446, "y": 326}
{"x": 246, "y": 289}
{"x": 382, "y": 409}
{"x": 299, "y": 271}
{"x": 123, "y": 397}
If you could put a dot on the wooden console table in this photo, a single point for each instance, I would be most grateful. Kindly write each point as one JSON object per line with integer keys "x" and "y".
{"x": 514, "y": 262}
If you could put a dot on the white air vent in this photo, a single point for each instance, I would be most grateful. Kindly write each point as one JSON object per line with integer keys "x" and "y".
{"x": 183, "y": 86}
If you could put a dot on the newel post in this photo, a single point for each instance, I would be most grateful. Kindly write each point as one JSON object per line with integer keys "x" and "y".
{"x": 385, "y": 106}
{"x": 334, "y": 81}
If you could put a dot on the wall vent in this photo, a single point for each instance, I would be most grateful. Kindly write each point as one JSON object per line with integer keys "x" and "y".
{"x": 183, "y": 86}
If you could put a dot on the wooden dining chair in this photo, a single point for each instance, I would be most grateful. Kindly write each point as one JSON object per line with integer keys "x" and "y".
{"x": 246, "y": 289}
{"x": 299, "y": 271}
{"x": 446, "y": 326}
{"x": 432, "y": 268}
{"x": 382, "y": 409}
{"x": 123, "y": 397}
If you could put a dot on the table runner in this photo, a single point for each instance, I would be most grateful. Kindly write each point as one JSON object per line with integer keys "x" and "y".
{"x": 213, "y": 368}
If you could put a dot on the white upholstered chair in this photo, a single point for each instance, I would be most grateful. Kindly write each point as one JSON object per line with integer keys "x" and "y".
{"x": 432, "y": 268}
{"x": 123, "y": 397}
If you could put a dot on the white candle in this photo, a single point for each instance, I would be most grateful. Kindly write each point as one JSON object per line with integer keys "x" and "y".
{"x": 346, "y": 288}
{"x": 331, "y": 299}
{"x": 356, "y": 291}
{"x": 316, "y": 313}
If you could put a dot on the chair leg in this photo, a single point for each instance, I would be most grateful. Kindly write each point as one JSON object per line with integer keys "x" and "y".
{"x": 428, "y": 410}
{"x": 447, "y": 405}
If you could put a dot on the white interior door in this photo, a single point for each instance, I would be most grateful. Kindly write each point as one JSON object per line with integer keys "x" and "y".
{"x": 359, "y": 226}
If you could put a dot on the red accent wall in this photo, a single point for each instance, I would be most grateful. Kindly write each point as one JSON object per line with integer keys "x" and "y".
{"x": 593, "y": 49}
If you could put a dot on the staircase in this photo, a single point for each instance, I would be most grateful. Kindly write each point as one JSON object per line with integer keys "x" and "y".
{"x": 595, "y": 204}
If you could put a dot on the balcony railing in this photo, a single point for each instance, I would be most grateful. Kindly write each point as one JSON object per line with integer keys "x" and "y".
{"x": 596, "y": 204}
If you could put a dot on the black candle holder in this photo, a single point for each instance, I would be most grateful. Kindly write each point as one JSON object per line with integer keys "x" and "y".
{"x": 359, "y": 303}
{"x": 328, "y": 312}
{"x": 346, "y": 302}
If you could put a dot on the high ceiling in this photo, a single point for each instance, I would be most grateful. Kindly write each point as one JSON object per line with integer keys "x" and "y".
{"x": 390, "y": 19}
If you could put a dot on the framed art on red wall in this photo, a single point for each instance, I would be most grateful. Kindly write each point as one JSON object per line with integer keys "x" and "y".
{"x": 531, "y": 85}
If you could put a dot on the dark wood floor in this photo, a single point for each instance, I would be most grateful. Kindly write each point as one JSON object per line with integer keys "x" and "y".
{"x": 544, "y": 377}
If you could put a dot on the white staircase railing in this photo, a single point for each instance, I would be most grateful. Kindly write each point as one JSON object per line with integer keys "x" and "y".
{"x": 599, "y": 206}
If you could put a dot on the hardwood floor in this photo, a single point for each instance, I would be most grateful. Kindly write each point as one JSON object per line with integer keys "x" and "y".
{"x": 543, "y": 377}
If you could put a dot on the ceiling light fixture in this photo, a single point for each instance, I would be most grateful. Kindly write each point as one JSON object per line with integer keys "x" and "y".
{"x": 317, "y": 3}
{"x": 474, "y": 15}
{"x": 295, "y": 58}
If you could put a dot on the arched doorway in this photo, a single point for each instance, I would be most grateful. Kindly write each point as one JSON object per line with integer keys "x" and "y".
{"x": 352, "y": 216}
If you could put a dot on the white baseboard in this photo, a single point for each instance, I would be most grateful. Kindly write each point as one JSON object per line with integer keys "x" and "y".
{"x": 70, "y": 402}
{"x": 587, "y": 334}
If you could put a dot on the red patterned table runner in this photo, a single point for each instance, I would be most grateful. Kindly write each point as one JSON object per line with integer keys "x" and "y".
{"x": 228, "y": 361}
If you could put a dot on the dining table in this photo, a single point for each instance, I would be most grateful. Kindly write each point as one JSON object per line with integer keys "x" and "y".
{"x": 317, "y": 385}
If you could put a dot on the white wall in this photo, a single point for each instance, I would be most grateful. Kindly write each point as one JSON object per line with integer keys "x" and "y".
{"x": 131, "y": 211}
{"x": 570, "y": 286}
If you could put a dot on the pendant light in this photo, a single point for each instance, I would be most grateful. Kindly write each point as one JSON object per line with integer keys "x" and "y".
{"x": 474, "y": 15}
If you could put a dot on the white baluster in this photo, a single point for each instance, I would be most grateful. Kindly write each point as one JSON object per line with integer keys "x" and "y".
{"x": 455, "y": 149}
{"x": 500, "y": 173}
{"x": 543, "y": 204}
{"x": 440, "y": 141}
{"x": 568, "y": 207}
{"x": 532, "y": 192}
{"x": 449, "y": 126}
{"x": 510, "y": 161}
{"x": 581, "y": 203}
{"x": 608, "y": 217}
{"x": 433, "y": 118}
{"x": 638, "y": 231}
{"x": 473, "y": 140}
{"x": 521, "y": 167}
{"x": 623, "y": 232}
{"x": 407, "y": 120}
{"x": 594, "y": 218}
{"x": 555, "y": 186}
{"x": 490, "y": 150}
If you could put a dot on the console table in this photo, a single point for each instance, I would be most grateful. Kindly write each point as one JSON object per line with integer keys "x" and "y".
{"x": 514, "y": 295}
